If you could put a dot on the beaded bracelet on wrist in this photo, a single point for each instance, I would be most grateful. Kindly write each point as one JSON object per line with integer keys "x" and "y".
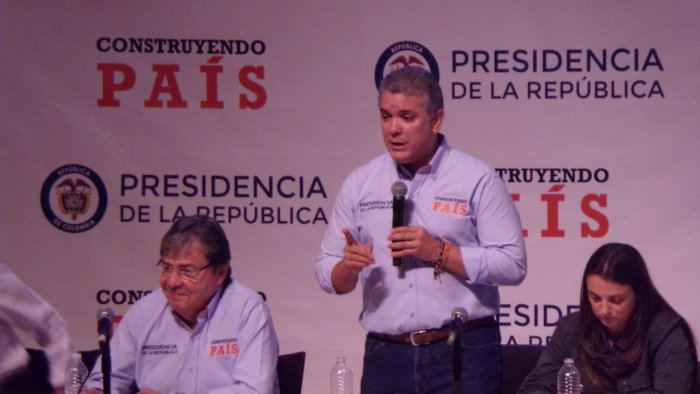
{"x": 440, "y": 259}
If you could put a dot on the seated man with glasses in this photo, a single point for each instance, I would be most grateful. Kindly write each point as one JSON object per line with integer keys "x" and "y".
{"x": 202, "y": 331}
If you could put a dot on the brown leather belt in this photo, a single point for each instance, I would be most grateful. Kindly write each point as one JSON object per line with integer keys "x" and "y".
{"x": 425, "y": 337}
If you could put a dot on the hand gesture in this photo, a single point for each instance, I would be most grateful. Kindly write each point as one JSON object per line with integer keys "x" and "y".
{"x": 356, "y": 257}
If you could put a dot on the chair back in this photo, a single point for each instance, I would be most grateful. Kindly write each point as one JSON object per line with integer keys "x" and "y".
{"x": 290, "y": 372}
{"x": 516, "y": 363}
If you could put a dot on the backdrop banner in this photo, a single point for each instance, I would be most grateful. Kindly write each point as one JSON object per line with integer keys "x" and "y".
{"x": 117, "y": 117}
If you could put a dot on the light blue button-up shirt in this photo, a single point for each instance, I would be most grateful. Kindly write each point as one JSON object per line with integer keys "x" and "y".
{"x": 233, "y": 348}
{"x": 456, "y": 198}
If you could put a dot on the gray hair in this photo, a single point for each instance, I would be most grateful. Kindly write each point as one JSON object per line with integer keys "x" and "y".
{"x": 204, "y": 229}
{"x": 414, "y": 81}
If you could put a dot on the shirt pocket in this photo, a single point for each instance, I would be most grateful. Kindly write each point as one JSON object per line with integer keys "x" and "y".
{"x": 458, "y": 226}
{"x": 374, "y": 221}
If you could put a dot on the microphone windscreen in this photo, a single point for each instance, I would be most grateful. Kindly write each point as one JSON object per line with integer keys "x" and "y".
{"x": 398, "y": 189}
{"x": 459, "y": 313}
{"x": 105, "y": 312}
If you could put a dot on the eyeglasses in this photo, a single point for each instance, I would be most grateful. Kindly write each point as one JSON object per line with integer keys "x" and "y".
{"x": 187, "y": 272}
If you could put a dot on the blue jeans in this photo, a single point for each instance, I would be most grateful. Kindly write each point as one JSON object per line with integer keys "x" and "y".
{"x": 391, "y": 367}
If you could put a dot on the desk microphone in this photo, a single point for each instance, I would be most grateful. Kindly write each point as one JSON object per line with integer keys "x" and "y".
{"x": 104, "y": 326}
{"x": 459, "y": 317}
{"x": 398, "y": 190}
{"x": 104, "y": 323}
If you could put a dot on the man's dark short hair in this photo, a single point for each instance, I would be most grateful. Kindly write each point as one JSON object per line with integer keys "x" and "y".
{"x": 204, "y": 229}
{"x": 414, "y": 81}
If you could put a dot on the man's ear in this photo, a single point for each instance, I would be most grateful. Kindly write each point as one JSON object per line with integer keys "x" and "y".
{"x": 222, "y": 273}
{"x": 438, "y": 117}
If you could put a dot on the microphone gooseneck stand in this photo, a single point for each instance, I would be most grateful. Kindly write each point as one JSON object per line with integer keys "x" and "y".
{"x": 106, "y": 366}
{"x": 104, "y": 327}
{"x": 456, "y": 343}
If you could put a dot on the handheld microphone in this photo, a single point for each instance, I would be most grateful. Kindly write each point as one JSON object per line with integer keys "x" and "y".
{"x": 398, "y": 190}
{"x": 459, "y": 317}
{"x": 104, "y": 323}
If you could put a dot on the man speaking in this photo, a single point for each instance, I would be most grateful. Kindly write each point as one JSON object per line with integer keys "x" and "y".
{"x": 461, "y": 239}
{"x": 202, "y": 331}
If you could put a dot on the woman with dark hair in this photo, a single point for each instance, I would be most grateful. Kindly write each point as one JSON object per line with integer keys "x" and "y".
{"x": 626, "y": 337}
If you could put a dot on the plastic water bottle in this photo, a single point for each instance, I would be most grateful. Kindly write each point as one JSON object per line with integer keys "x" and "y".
{"x": 76, "y": 373}
{"x": 341, "y": 377}
{"x": 568, "y": 378}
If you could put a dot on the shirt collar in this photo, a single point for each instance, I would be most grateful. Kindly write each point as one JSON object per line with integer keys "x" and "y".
{"x": 433, "y": 166}
{"x": 214, "y": 302}
{"x": 208, "y": 311}
{"x": 617, "y": 347}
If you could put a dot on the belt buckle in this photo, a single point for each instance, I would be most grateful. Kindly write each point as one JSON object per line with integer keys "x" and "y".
{"x": 416, "y": 333}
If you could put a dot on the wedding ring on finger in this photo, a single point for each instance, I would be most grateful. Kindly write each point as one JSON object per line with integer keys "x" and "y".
{"x": 410, "y": 245}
